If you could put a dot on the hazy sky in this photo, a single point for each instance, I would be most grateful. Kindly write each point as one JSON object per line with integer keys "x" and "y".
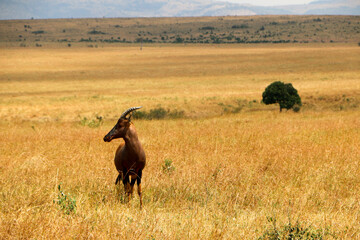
{"x": 270, "y": 2}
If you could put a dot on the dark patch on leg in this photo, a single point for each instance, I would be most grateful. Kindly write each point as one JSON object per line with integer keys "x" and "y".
{"x": 119, "y": 178}
{"x": 125, "y": 176}
{"x": 139, "y": 175}
{"x": 126, "y": 183}
{"x": 132, "y": 183}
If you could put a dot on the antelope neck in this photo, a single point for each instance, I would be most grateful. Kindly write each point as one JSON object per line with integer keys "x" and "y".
{"x": 131, "y": 140}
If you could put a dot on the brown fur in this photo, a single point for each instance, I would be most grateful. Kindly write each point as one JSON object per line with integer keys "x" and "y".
{"x": 130, "y": 157}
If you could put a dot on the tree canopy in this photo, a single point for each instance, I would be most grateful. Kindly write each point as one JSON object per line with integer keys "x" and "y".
{"x": 283, "y": 93}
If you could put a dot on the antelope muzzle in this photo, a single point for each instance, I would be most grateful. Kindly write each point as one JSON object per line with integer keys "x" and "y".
{"x": 108, "y": 137}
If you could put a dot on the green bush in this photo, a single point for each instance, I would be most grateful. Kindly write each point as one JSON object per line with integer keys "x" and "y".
{"x": 158, "y": 113}
{"x": 175, "y": 114}
{"x": 242, "y": 26}
{"x": 38, "y": 32}
{"x": 179, "y": 40}
{"x": 207, "y": 28}
{"x": 96, "y": 32}
{"x": 93, "y": 123}
{"x": 296, "y": 108}
{"x": 228, "y": 108}
{"x": 284, "y": 94}
{"x": 290, "y": 231}
{"x": 236, "y": 108}
{"x": 65, "y": 202}
{"x": 168, "y": 167}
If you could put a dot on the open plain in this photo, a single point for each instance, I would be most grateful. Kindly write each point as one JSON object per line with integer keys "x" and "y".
{"x": 226, "y": 167}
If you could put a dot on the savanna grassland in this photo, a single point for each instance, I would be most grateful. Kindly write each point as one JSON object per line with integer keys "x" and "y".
{"x": 227, "y": 167}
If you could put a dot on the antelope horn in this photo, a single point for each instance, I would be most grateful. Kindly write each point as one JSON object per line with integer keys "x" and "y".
{"x": 129, "y": 111}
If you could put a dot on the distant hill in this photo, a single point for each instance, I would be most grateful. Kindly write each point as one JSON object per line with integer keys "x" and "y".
{"x": 42, "y": 9}
{"x": 326, "y": 7}
{"x": 97, "y": 32}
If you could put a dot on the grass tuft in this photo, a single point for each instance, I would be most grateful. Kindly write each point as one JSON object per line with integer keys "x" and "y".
{"x": 66, "y": 203}
{"x": 294, "y": 231}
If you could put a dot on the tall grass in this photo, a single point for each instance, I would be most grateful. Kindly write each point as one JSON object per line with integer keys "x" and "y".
{"x": 230, "y": 174}
{"x": 211, "y": 174}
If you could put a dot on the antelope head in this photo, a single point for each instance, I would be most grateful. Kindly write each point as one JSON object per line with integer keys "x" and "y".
{"x": 122, "y": 125}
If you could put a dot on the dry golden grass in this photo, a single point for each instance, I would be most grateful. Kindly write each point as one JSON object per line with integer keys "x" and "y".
{"x": 232, "y": 171}
{"x": 60, "y": 84}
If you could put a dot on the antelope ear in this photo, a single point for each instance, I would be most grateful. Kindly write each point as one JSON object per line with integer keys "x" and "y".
{"x": 130, "y": 115}
{"x": 127, "y": 121}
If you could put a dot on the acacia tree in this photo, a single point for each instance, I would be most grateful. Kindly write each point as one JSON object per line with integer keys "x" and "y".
{"x": 283, "y": 93}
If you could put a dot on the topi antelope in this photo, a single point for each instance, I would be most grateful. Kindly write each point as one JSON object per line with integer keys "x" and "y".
{"x": 130, "y": 156}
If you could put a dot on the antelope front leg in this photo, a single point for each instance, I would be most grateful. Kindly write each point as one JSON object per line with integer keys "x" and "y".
{"x": 117, "y": 185}
{"x": 127, "y": 188}
{"x": 128, "y": 193}
{"x": 131, "y": 190}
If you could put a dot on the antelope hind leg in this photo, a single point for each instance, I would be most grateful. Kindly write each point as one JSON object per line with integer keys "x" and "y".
{"x": 139, "y": 187}
{"x": 140, "y": 195}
